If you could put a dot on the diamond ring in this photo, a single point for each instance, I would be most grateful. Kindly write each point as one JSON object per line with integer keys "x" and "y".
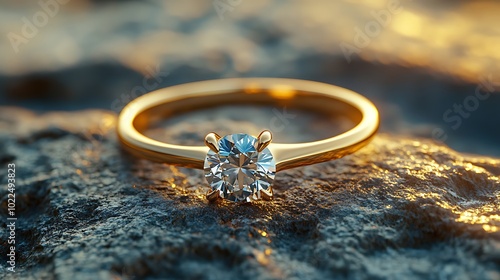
{"x": 240, "y": 167}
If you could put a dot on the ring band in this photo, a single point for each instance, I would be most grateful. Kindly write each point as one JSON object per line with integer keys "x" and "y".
{"x": 164, "y": 103}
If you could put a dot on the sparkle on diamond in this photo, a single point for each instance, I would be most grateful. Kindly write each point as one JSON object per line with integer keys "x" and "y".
{"x": 238, "y": 171}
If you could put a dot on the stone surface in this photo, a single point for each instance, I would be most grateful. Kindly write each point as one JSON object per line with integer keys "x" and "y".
{"x": 74, "y": 63}
{"x": 238, "y": 172}
{"x": 400, "y": 208}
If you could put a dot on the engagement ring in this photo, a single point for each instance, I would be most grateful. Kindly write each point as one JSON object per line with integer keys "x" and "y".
{"x": 241, "y": 167}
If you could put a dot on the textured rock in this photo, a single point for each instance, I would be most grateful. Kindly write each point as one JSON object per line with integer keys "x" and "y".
{"x": 399, "y": 208}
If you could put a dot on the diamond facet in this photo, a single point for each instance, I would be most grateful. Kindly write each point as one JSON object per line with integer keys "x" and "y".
{"x": 238, "y": 171}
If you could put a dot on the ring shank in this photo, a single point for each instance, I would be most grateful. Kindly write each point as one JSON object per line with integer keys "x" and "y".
{"x": 164, "y": 103}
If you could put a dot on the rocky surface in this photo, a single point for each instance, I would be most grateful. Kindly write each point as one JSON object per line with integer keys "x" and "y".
{"x": 428, "y": 58}
{"x": 403, "y": 207}
{"x": 400, "y": 209}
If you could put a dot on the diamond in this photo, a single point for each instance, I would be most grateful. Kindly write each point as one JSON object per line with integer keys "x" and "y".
{"x": 238, "y": 171}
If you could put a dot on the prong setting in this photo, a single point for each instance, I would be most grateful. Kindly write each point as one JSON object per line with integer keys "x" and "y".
{"x": 212, "y": 141}
{"x": 213, "y": 195}
{"x": 266, "y": 195}
{"x": 239, "y": 171}
{"x": 265, "y": 138}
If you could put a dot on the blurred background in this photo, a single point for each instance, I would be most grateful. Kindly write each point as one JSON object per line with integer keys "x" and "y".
{"x": 432, "y": 67}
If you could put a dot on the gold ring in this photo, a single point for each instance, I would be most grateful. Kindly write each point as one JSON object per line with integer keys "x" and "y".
{"x": 240, "y": 167}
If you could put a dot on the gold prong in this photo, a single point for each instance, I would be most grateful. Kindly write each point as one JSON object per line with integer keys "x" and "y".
{"x": 212, "y": 141}
{"x": 265, "y": 138}
{"x": 266, "y": 195}
{"x": 212, "y": 195}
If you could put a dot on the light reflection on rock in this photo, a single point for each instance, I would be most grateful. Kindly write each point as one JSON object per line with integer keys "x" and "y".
{"x": 398, "y": 208}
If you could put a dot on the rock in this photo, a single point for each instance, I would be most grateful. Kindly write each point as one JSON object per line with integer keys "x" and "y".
{"x": 399, "y": 208}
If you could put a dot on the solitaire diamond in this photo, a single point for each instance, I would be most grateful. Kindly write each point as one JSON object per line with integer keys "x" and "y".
{"x": 238, "y": 171}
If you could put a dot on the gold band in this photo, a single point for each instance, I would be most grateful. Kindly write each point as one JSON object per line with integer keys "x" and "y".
{"x": 163, "y": 103}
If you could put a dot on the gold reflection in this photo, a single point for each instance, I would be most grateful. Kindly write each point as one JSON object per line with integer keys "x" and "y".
{"x": 282, "y": 92}
{"x": 489, "y": 228}
{"x": 261, "y": 257}
{"x": 484, "y": 215}
{"x": 459, "y": 185}
{"x": 481, "y": 216}
{"x": 409, "y": 24}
